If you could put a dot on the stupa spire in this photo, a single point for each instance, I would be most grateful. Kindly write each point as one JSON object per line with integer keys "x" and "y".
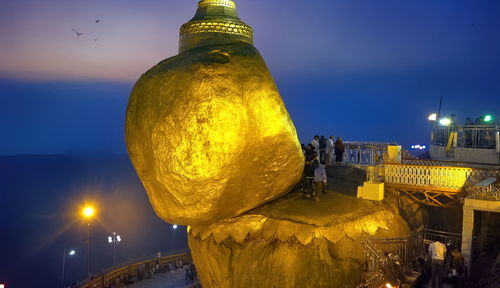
{"x": 215, "y": 22}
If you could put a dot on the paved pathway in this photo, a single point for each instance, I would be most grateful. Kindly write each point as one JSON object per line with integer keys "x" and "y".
{"x": 174, "y": 279}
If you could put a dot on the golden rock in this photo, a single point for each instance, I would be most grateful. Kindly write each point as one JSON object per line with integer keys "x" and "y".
{"x": 207, "y": 130}
{"x": 296, "y": 242}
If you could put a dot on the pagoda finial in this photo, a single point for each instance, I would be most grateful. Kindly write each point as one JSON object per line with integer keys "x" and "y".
{"x": 226, "y": 3}
{"x": 215, "y": 22}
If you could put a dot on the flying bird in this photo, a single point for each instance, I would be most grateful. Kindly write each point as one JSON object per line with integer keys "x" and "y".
{"x": 78, "y": 34}
{"x": 98, "y": 20}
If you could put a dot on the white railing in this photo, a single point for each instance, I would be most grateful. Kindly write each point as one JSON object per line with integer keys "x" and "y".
{"x": 365, "y": 153}
{"x": 428, "y": 177}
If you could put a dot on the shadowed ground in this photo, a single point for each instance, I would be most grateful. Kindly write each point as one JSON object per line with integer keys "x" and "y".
{"x": 174, "y": 279}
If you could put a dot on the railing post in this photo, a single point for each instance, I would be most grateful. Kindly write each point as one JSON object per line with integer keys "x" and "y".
{"x": 497, "y": 141}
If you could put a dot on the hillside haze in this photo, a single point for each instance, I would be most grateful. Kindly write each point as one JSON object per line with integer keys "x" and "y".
{"x": 41, "y": 199}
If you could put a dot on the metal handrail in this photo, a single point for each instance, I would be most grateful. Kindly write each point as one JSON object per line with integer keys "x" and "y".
{"x": 468, "y": 136}
{"x": 133, "y": 270}
{"x": 365, "y": 153}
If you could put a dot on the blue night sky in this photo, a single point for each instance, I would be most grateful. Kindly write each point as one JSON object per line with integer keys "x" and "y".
{"x": 364, "y": 70}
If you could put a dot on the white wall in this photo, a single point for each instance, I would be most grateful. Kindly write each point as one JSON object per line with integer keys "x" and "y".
{"x": 460, "y": 154}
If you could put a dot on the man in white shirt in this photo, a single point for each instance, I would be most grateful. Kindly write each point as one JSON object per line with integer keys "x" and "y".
{"x": 437, "y": 253}
{"x": 315, "y": 143}
{"x": 330, "y": 148}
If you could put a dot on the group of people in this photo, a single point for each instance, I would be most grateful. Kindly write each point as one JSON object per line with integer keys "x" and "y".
{"x": 456, "y": 264}
{"x": 327, "y": 149}
{"x": 318, "y": 154}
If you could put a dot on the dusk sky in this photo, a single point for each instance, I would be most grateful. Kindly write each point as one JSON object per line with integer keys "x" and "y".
{"x": 365, "y": 70}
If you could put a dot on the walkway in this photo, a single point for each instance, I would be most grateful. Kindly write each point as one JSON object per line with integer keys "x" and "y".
{"x": 174, "y": 279}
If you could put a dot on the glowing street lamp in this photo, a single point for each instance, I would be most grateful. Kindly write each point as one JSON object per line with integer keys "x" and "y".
{"x": 174, "y": 226}
{"x": 432, "y": 117}
{"x": 88, "y": 213}
{"x": 113, "y": 240}
{"x": 488, "y": 118}
{"x": 445, "y": 121}
{"x": 71, "y": 252}
{"x": 2, "y": 285}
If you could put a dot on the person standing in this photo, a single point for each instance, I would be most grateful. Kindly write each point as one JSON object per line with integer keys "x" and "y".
{"x": 309, "y": 167}
{"x": 457, "y": 268}
{"x": 315, "y": 143}
{"x": 322, "y": 148}
{"x": 437, "y": 253}
{"x": 330, "y": 149}
{"x": 319, "y": 180}
{"x": 339, "y": 150}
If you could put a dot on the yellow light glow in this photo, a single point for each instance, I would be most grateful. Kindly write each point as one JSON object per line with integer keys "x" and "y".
{"x": 388, "y": 285}
{"x": 88, "y": 211}
{"x": 432, "y": 117}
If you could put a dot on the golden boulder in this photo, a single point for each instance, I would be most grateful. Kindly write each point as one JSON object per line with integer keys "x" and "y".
{"x": 207, "y": 130}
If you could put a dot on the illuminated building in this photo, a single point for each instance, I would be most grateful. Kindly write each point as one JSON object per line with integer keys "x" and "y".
{"x": 474, "y": 143}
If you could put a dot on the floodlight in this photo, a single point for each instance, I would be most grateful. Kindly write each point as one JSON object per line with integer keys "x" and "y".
{"x": 88, "y": 211}
{"x": 72, "y": 252}
{"x": 432, "y": 117}
{"x": 110, "y": 239}
{"x": 118, "y": 238}
{"x": 174, "y": 226}
{"x": 445, "y": 121}
{"x": 487, "y": 118}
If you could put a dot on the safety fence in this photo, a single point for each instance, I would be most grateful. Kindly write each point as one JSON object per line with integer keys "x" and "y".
{"x": 381, "y": 252}
{"x": 442, "y": 186}
{"x": 440, "y": 178}
{"x": 138, "y": 271}
{"x": 365, "y": 153}
{"x": 428, "y": 162}
{"x": 407, "y": 252}
{"x": 432, "y": 235}
{"x": 469, "y": 136}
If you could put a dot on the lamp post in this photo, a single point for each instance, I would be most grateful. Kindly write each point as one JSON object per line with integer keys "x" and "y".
{"x": 88, "y": 212}
{"x": 69, "y": 253}
{"x": 113, "y": 240}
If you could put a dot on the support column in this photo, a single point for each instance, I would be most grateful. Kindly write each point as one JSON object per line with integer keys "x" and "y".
{"x": 467, "y": 227}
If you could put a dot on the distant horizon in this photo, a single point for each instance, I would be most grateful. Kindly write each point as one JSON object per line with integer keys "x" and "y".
{"x": 366, "y": 71}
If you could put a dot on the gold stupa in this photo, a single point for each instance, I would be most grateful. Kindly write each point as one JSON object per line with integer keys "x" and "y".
{"x": 207, "y": 130}
{"x": 215, "y": 22}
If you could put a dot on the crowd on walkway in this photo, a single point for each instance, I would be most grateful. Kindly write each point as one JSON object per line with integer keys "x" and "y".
{"x": 321, "y": 152}
{"x": 326, "y": 149}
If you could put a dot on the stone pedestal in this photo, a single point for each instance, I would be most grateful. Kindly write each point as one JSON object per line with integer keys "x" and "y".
{"x": 293, "y": 242}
